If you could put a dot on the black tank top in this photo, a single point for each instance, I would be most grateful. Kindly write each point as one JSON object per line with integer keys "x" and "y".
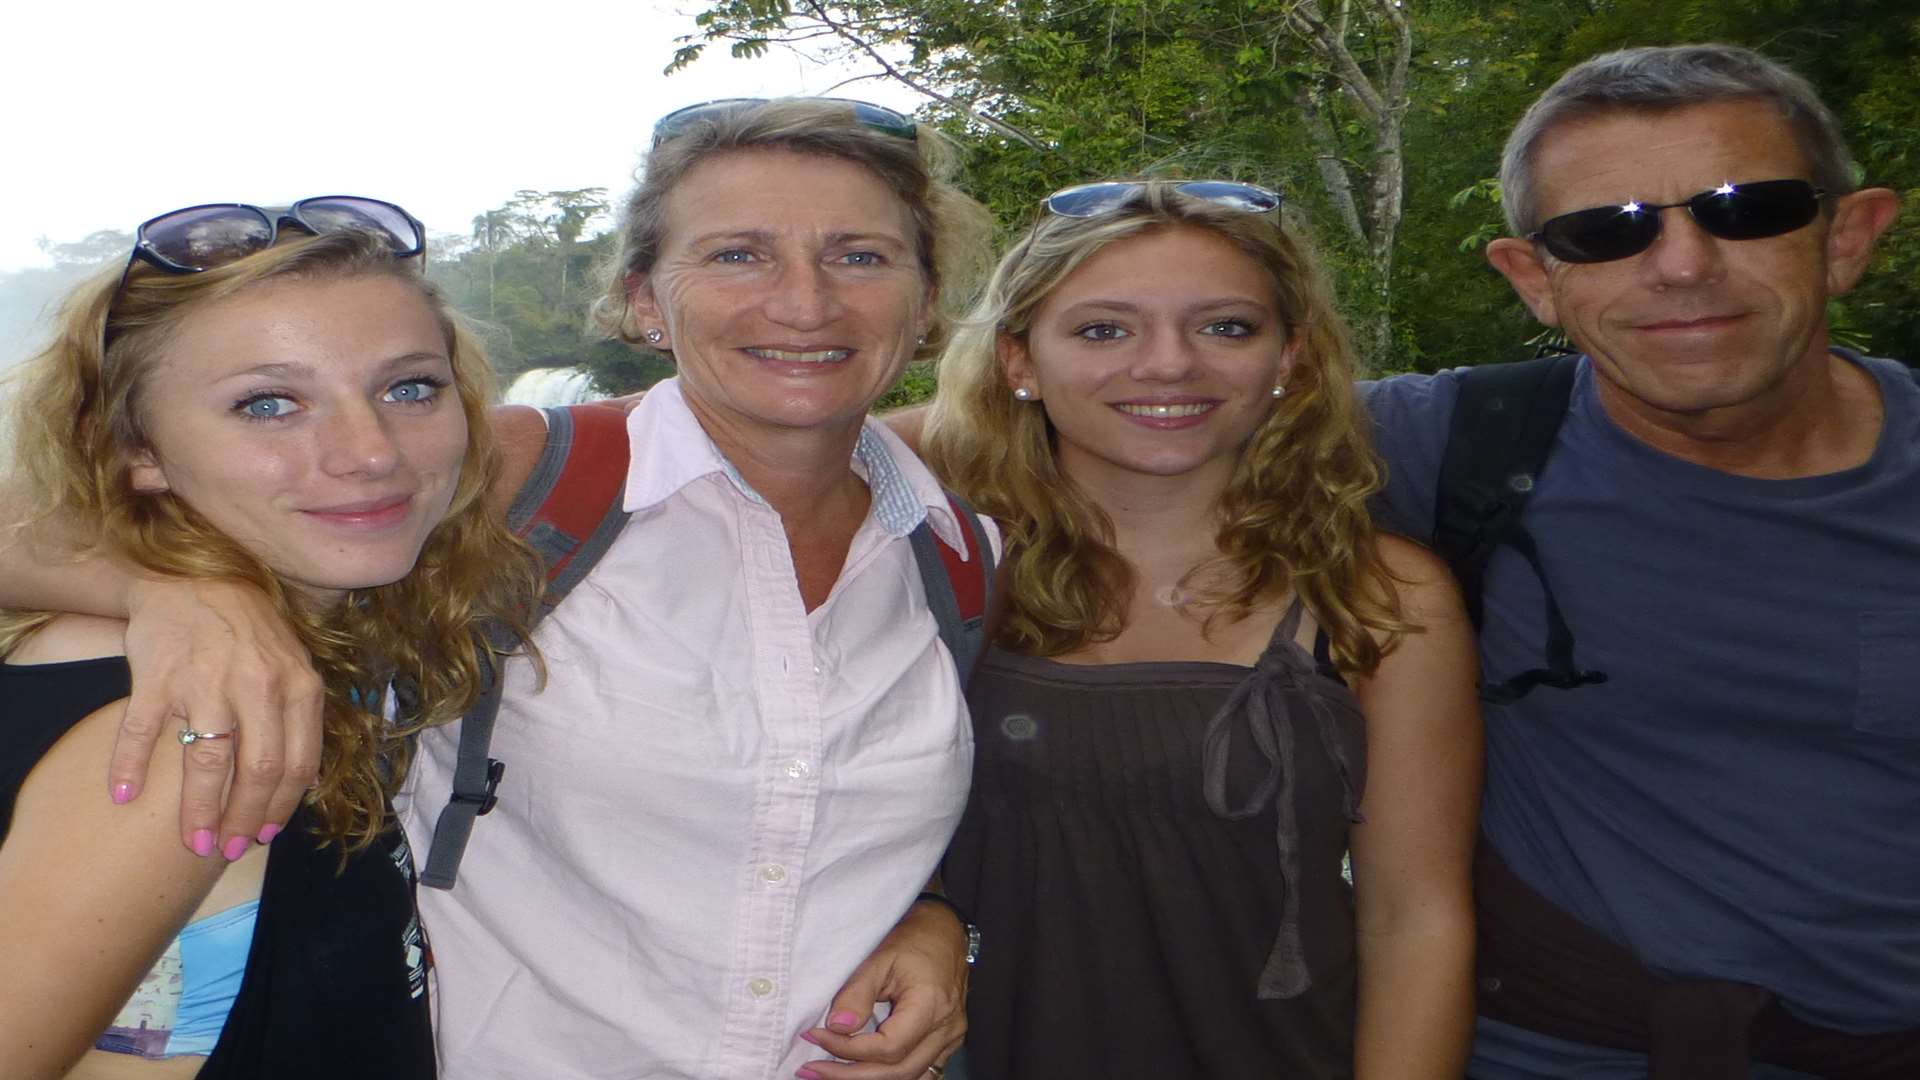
{"x": 335, "y": 982}
{"x": 1153, "y": 853}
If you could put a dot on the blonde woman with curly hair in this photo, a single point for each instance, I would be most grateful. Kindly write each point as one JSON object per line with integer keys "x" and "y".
{"x": 1212, "y": 678}
{"x": 276, "y": 397}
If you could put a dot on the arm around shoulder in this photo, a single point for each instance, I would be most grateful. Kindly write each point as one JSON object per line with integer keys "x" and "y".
{"x": 213, "y": 650}
{"x": 910, "y": 423}
{"x": 521, "y": 433}
{"x": 47, "y": 566}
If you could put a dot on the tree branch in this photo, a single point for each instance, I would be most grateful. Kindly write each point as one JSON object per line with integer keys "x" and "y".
{"x": 1307, "y": 17}
{"x": 893, "y": 72}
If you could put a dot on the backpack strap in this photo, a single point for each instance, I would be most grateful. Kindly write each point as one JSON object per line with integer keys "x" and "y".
{"x": 570, "y": 509}
{"x": 957, "y": 588}
{"x": 1502, "y": 430}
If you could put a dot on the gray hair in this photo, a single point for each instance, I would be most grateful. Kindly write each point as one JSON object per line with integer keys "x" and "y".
{"x": 953, "y": 233}
{"x": 1656, "y": 79}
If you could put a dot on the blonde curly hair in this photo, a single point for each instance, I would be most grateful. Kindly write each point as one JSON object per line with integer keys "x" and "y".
{"x": 1293, "y": 516}
{"x": 76, "y": 424}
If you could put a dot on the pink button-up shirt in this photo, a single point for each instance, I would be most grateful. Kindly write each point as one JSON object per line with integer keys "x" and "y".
{"x": 721, "y": 801}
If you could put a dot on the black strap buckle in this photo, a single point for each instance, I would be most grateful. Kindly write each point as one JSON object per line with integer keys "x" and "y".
{"x": 496, "y": 769}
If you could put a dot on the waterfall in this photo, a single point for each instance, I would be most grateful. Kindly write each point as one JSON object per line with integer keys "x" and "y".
{"x": 552, "y": 386}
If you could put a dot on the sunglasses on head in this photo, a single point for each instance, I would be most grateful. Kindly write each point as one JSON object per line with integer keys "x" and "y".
{"x": 878, "y": 117}
{"x": 1731, "y": 212}
{"x": 195, "y": 239}
{"x": 1092, "y": 200}
{"x": 199, "y": 238}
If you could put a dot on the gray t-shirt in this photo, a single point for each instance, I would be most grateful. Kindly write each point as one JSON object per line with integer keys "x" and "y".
{"x": 1741, "y": 800}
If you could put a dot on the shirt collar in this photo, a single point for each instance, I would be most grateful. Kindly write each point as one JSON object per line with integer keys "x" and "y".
{"x": 670, "y": 450}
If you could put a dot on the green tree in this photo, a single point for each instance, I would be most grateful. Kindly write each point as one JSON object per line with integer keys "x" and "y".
{"x": 1383, "y": 122}
{"x": 1054, "y": 93}
{"x": 525, "y": 273}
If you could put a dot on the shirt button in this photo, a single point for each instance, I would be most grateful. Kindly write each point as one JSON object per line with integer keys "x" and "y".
{"x": 818, "y": 670}
{"x": 759, "y": 987}
{"x": 773, "y": 873}
{"x": 798, "y": 769}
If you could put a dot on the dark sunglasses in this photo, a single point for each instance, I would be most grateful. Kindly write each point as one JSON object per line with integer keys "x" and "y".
{"x": 198, "y": 238}
{"x": 878, "y": 117}
{"x": 1731, "y": 212}
{"x": 1092, "y": 200}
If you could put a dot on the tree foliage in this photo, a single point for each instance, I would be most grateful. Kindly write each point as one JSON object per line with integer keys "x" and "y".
{"x": 1382, "y": 121}
{"x": 1049, "y": 94}
{"x": 527, "y": 274}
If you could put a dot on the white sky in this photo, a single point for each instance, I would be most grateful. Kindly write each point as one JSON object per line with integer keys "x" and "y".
{"x": 113, "y": 111}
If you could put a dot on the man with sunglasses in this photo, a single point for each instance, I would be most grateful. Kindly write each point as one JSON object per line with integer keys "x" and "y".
{"x": 1703, "y": 863}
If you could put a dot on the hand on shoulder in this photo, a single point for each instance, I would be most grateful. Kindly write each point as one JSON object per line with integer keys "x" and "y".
{"x": 520, "y": 431}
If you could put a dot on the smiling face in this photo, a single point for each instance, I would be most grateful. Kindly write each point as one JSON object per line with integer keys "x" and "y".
{"x": 315, "y": 423}
{"x": 788, "y": 288}
{"x": 1156, "y": 356}
{"x": 1694, "y": 323}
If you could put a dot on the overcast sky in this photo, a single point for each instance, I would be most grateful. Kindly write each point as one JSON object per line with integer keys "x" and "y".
{"x": 112, "y": 111}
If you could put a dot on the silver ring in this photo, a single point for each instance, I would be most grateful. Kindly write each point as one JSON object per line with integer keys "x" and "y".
{"x": 937, "y": 1071}
{"x": 188, "y": 736}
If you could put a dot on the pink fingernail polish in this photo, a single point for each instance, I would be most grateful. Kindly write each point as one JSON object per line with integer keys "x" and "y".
{"x": 807, "y": 1074}
{"x": 843, "y": 1019}
{"x": 203, "y": 842}
{"x": 122, "y": 793}
{"x": 810, "y": 1037}
{"x": 268, "y": 832}
{"x": 236, "y": 847}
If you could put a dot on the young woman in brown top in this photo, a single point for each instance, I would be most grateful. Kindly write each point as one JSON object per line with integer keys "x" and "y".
{"x": 1154, "y": 398}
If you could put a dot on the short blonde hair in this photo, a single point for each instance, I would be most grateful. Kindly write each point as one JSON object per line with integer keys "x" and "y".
{"x": 76, "y": 425}
{"x": 953, "y": 232}
{"x": 1293, "y": 515}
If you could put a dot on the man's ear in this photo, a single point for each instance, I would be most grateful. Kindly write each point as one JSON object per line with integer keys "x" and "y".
{"x": 1016, "y": 365}
{"x": 1525, "y": 269}
{"x": 1858, "y": 221}
{"x": 145, "y": 475}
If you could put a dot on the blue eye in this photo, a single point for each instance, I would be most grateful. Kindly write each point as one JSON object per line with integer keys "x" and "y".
{"x": 733, "y": 255}
{"x": 265, "y": 406}
{"x": 863, "y": 258}
{"x": 415, "y": 391}
{"x": 1101, "y": 331}
{"x": 1233, "y": 328}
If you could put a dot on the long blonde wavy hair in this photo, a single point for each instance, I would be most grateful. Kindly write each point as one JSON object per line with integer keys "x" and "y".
{"x": 76, "y": 424}
{"x": 1293, "y": 516}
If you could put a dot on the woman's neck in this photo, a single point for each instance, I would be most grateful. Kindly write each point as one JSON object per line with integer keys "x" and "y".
{"x": 1159, "y": 522}
{"x": 1167, "y": 529}
{"x": 800, "y": 472}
